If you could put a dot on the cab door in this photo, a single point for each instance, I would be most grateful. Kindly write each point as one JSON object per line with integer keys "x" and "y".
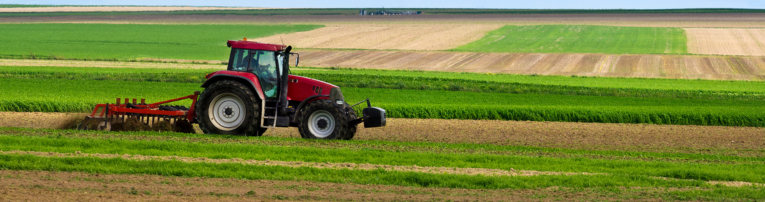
{"x": 261, "y": 63}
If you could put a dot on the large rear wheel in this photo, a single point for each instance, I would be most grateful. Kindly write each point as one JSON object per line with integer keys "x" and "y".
{"x": 323, "y": 119}
{"x": 230, "y": 108}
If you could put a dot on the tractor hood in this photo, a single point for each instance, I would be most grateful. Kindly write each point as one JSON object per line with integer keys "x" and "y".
{"x": 301, "y": 88}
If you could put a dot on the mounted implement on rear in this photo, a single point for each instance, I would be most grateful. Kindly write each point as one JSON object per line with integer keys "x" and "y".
{"x": 139, "y": 116}
{"x": 254, "y": 93}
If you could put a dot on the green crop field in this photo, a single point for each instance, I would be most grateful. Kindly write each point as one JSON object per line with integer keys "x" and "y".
{"x": 65, "y": 95}
{"x": 432, "y": 80}
{"x": 581, "y": 39}
{"x": 128, "y": 41}
{"x": 438, "y": 95}
{"x": 668, "y": 175}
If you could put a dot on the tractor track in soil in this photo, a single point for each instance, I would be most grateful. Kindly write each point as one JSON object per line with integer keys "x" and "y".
{"x": 717, "y": 140}
{"x": 80, "y": 186}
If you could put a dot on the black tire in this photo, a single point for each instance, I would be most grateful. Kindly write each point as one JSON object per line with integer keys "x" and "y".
{"x": 248, "y": 110}
{"x": 351, "y": 128}
{"x": 335, "y": 121}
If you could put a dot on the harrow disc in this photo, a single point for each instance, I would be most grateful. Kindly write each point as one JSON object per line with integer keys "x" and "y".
{"x": 94, "y": 124}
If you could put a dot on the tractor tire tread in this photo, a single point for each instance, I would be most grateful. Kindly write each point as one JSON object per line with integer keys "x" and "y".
{"x": 252, "y": 120}
{"x": 342, "y": 128}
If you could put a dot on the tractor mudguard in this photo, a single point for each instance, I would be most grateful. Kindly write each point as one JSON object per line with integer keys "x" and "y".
{"x": 252, "y": 80}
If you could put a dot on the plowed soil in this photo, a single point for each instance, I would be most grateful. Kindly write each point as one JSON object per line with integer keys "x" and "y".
{"x": 715, "y": 41}
{"x": 41, "y": 119}
{"x": 114, "y": 8}
{"x": 741, "y": 141}
{"x": 608, "y": 65}
{"x": 644, "y": 20}
{"x": 78, "y": 186}
{"x": 380, "y": 36}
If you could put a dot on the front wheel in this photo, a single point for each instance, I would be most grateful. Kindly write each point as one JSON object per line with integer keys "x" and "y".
{"x": 323, "y": 119}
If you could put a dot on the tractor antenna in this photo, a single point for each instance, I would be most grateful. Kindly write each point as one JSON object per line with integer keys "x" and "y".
{"x": 280, "y": 38}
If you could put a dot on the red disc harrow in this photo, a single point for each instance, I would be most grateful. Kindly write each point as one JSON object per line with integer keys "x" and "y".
{"x": 126, "y": 116}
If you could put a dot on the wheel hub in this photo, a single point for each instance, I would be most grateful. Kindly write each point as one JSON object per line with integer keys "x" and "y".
{"x": 227, "y": 111}
{"x": 322, "y": 123}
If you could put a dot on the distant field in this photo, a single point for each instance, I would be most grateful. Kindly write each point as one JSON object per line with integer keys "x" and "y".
{"x": 355, "y": 11}
{"x": 22, "y": 5}
{"x": 720, "y": 41}
{"x": 580, "y": 39}
{"x": 64, "y": 9}
{"x": 569, "y": 64}
{"x": 381, "y": 36}
{"x": 126, "y": 41}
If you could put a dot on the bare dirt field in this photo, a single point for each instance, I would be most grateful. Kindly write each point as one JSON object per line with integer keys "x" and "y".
{"x": 40, "y": 119}
{"x": 609, "y": 65}
{"x": 741, "y": 141}
{"x": 744, "y": 20}
{"x": 382, "y": 36}
{"x": 566, "y": 64}
{"x": 79, "y": 186}
{"x": 717, "y": 41}
{"x": 115, "y": 8}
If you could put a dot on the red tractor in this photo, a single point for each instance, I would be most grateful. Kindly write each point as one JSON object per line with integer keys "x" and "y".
{"x": 255, "y": 93}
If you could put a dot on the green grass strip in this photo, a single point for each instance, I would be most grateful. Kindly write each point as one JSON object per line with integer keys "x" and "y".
{"x": 581, "y": 39}
{"x": 754, "y": 172}
{"x": 380, "y": 177}
{"x": 717, "y": 155}
{"x": 423, "y": 80}
{"x": 56, "y": 95}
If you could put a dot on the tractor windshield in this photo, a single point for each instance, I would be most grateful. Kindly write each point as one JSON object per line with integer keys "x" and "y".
{"x": 262, "y": 63}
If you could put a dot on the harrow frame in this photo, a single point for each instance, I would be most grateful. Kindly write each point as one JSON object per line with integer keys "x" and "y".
{"x": 119, "y": 111}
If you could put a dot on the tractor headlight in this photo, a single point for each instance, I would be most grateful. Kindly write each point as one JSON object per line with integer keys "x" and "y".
{"x": 339, "y": 102}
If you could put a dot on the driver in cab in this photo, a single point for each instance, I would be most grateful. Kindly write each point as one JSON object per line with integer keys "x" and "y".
{"x": 263, "y": 64}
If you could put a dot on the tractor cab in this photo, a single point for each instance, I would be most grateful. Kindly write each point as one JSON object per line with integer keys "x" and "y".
{"x": 256, "y": 92}
{"x": 266, "y": 65}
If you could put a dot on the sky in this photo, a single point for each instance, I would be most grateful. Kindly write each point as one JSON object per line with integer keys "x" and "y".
{"x": 520, "y": 4}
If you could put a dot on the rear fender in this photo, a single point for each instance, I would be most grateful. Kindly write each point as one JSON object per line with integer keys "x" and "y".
{"x": 243, "y": 77}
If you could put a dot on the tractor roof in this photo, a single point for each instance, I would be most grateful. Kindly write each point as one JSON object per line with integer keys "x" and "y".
{"x": 244, "y": 44}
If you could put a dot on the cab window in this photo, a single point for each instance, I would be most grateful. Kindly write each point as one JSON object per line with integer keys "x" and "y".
{"x": 263, "y": 64}
{"x": 239, "y": 60}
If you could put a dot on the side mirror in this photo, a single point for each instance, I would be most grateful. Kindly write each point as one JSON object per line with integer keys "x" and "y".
{"x": 297, "y": 59}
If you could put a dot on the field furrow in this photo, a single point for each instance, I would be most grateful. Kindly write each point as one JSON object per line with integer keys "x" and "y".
{"x": 567, "y": 64}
